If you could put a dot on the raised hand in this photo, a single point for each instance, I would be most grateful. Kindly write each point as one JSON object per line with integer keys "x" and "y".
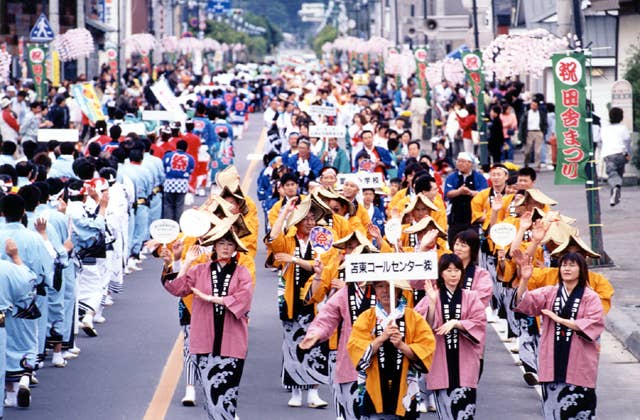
{"x": 429, "y": 240}
{"x": 193, "y": 253}
{"x": 431, "y": 290}
{"x": 525, "y": 220}
{"x": 374, "y": 231}
{"x": 41, "y": 225}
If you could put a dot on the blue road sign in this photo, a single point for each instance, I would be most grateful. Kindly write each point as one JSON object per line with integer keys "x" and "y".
{"x": 41, "y": 31}
{"x": 218, "y": 7}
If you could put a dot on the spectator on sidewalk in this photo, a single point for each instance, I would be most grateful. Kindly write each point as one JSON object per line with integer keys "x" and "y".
{"x": 616, "y": 152}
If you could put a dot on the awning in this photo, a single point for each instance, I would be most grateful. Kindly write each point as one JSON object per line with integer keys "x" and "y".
{"x": 96, "y": 24}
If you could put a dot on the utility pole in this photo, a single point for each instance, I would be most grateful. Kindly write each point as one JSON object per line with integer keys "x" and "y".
{"x": 484, "y": 152}
{"x": 591, "y": 184}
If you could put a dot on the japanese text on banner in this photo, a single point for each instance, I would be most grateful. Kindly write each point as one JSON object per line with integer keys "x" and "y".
{"x": 391, "y": 266}
{"x": 569, "y": 78}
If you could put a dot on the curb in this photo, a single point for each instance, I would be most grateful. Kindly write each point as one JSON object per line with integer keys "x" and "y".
{"x": 624, "y": 329}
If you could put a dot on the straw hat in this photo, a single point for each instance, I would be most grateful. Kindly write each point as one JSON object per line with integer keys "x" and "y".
{"x": 537, "y": 196}
{"x": 223, "y": 229}
{"x": 319, "y": 204}
{"x": 559, "y": 232}
{"x": 426, "y": 223}
{"x": 538, "y": 213}
{"x": 357, "y": 235}
{"x": 330, "y": 195}
{"x": 574, "y": 240}
{"x": 301, "y": 211}
{"x": 229, "y": 181}
{"x": 420, "y": 198}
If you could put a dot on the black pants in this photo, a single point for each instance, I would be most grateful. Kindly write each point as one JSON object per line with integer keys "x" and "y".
{"x": 172, "y": 205}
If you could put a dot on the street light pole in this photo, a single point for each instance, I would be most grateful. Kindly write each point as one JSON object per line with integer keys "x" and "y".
{"x": 484, "y": 152}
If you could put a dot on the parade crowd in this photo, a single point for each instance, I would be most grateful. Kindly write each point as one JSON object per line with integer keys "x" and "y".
{"x": 76, "y": 219}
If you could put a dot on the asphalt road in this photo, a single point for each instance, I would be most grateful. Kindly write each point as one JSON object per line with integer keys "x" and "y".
{"x": 118, "y": 372}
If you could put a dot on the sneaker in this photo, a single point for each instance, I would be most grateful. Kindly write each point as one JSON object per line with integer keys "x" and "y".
{"x": 317, "y": 403}
{"x": 132, "y": 265}
{"x": 530, "y": 378}
{"x": 422, "y": 407}
{"x": 296, "y": 398}
{"x": 87, "y": 326}
{"x": 142, "y": 256}
{"x": 24, "y": 393}
{"x": 58, "y": 360}
{"x": 11, "y": 399}
{"x": 615, "y": 196}
{"x": 75, "y": 350}
{"x": 431, "y": 408}
{"x": 99, "y": 319}
{"x": 68, "y": 355}
{"x": 33, "y": 379}
{"x": 108, "y": 301}
{"x": 189, "y": 399}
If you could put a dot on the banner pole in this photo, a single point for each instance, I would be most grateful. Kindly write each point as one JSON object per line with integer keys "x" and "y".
{"x": 591, "y": 187}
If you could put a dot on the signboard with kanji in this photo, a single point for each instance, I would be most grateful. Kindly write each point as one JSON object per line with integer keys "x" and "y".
{"x": 569, "y": 78}
{"x": 322, "y": 110}
{"x": 363, "y": 179}
{"x": 420, "y": 55}
{"x": 327, "y": 131}
{"x": 622, "y": 97}
{"x": 391, "y": 266}
{"x": 36, "y": 59}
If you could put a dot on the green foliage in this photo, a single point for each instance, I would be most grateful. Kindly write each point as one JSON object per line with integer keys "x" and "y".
{"x": 257, "y": 46}
{"x": 281, "y": 13}
{"x": 633, "y": 76}
{"x": 327, "y": 34}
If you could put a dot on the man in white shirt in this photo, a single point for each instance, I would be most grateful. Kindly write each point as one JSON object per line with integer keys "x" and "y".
{"x": 532, "y": 130}
{"x": 616, "y": 152}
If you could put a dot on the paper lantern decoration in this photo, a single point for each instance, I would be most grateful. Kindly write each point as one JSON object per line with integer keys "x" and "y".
{"x": 141, "y": 44}
{"x": 189, "y": 45}
{"x": 5, "y": 66}
{"x": 527, "y": 53}
{"x": 169, "y": 44}
{"x": 74, "y": 44}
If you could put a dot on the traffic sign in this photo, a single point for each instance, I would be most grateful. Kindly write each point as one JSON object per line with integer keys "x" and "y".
{"x": 218, "y": 7}
{"x": 41, "y": 31}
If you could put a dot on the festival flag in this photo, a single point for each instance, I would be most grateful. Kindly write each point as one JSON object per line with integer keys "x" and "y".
{"x": 88, "y": 101}
{"x": 572, "y": 130}
{"x": 36, "y": 58}
{"x": 472, "y": 63}
{"x": 420, "y": 55}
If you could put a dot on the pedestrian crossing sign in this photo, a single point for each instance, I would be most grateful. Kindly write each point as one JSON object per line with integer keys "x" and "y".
{"x": 41, "y": 31}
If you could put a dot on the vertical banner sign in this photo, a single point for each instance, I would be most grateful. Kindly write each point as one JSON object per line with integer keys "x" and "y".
{"x": 55, "y": 68}
{"x": 472, "y": 63}
{"x": 112, "y": 59}
{"x": 365, "y": 61}
{"x": 381, "y": 61}
{"x": 420, "y": 55}
{"x": 569, "y": 79}
{"x": 36, "y": 58}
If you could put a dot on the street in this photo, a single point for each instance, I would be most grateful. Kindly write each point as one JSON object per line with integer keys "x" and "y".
{"x": 119, "y": 372}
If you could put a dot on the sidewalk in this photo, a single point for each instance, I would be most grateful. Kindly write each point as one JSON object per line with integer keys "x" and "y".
{"x": 621, "y": 224}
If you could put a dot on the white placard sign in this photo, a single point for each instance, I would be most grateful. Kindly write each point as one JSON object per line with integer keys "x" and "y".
{"x": 391, "y": 266}
{"x": 152, "y": 115}
{"x": 134, "y": 127}
{"x": 363, "y": 179}
{"x": 323, "y": 110}
{"x": 164, "y": 230}
{"x": 327, "y": 131}
{"x": 59, "y": 134}
{"x": 502, "y": 234}
{"x": 167, "y": 99}
{"x": 194, "y": 223}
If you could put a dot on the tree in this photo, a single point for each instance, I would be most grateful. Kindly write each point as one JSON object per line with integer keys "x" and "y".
{"x": 327, "y": 34}
{"x": 633, "y": 76}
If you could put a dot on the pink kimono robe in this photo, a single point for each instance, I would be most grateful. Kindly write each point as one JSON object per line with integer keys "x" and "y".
{"x": 470, "y": 343}
{"x": 585, "y": 350}
{"x": 482, "y": 284}
{"x": 336, "y": 309}
{"x": 235, "y": 335}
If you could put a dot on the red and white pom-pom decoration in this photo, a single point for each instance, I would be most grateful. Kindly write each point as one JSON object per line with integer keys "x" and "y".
{"x": 5, "y": 66}
{"x": 74, "y": 44}
{"x": 527, "y": 53}
{"x": 210, "y": 44}
{"x": 169, "y": 44}
{"x": 189, "y": 44}
{"x": 141, "y": 44}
